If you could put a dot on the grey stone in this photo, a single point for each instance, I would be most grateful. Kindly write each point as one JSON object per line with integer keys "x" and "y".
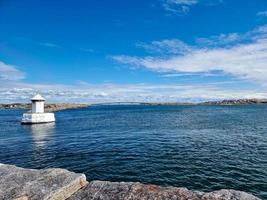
{"x": 60, "y": 184}
{"x": 45, "y": 184}
{"x": 104, "y": 190}
{"x": 229, "y": 195}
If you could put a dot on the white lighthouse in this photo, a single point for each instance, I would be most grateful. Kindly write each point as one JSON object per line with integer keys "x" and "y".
{"x": 37, "y": 114}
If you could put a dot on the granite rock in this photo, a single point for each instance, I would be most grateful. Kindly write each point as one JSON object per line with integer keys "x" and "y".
{"x": 45, "y": 184}
{"x": 59, "y": 184}
{"x": 104, "y": 190}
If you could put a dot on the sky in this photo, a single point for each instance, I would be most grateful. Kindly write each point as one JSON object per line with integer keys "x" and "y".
{"x": 133, "y": 51}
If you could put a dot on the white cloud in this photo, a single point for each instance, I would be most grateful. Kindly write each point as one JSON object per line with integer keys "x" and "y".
{"x": 183, "y": 6}
{"x": 173, "y": 46}
{"x": 222, "y": 39}
{"x": 245, "y": 59}
{"x": 10, "y": 72}
{"x": 48, "y": 44}
{"x": 192, "y": 74}
{"x": 183, "y": 2}
{"x": 178, "y": 6}
{"x": 262, "y": 13}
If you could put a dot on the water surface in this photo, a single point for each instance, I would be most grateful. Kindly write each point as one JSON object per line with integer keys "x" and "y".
{"x": 199, "y": 147}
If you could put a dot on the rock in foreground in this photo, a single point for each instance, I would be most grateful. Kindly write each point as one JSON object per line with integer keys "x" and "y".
{"x": 30, "y": 184}
{"x": 60, "y": 184}
{"x": 104, "y": 190}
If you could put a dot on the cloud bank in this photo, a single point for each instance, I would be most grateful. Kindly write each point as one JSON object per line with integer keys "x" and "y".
{"x": 106, "y": 93}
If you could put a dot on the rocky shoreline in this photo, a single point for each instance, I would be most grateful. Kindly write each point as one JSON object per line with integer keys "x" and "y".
{"x": 237, "y": 102}
{"x": 226, "y": 102}
{"x": 48, "y": 107}
{"x": 60, "y": 184}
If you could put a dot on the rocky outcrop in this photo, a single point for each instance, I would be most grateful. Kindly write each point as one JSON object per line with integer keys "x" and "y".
{"x": 236, "y": 102}
{"x": 48, "y": 107}
{"x": 30, "y": 184}
{"x": 60, "y": 184}
{"x": 104, "y": 190}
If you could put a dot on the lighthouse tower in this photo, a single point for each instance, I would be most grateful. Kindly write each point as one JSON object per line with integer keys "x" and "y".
{"x": 37, "y": 114}
{"x": 38, "y": 104}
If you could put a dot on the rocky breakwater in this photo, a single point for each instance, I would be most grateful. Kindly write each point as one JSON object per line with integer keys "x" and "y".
{"x": 60, "y": 184}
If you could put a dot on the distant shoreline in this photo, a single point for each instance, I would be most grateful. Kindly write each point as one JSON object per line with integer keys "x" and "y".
{"x": 48, "y": 107}
{"x": 221, "y": 102}
{"x": 64, "y": 106}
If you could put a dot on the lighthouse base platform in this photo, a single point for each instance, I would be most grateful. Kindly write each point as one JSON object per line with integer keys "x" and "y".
{"x": 37, "y": 118}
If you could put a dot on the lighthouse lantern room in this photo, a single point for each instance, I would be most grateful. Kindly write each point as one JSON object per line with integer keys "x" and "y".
{"x": 38, "y": 104}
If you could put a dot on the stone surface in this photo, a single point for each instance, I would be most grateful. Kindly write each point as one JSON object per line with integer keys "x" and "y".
{"x": 59, "y": 184}
{"x": 103, "y": 190}
{"x": 45, "y": 184}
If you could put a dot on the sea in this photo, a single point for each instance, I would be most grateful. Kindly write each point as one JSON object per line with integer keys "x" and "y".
{"x": 199, "y": 147}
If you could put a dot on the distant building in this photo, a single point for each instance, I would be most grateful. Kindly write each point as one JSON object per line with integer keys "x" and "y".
{"x": 37, "y": 114}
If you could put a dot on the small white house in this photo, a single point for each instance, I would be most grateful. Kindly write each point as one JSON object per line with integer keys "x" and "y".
{"x": 37, "y": 114}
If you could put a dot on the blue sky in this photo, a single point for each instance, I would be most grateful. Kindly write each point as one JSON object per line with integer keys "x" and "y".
{"x": 152, "y": 51}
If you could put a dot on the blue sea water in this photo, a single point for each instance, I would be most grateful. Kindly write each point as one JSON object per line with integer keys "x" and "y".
{"x": 199, "y": 147}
